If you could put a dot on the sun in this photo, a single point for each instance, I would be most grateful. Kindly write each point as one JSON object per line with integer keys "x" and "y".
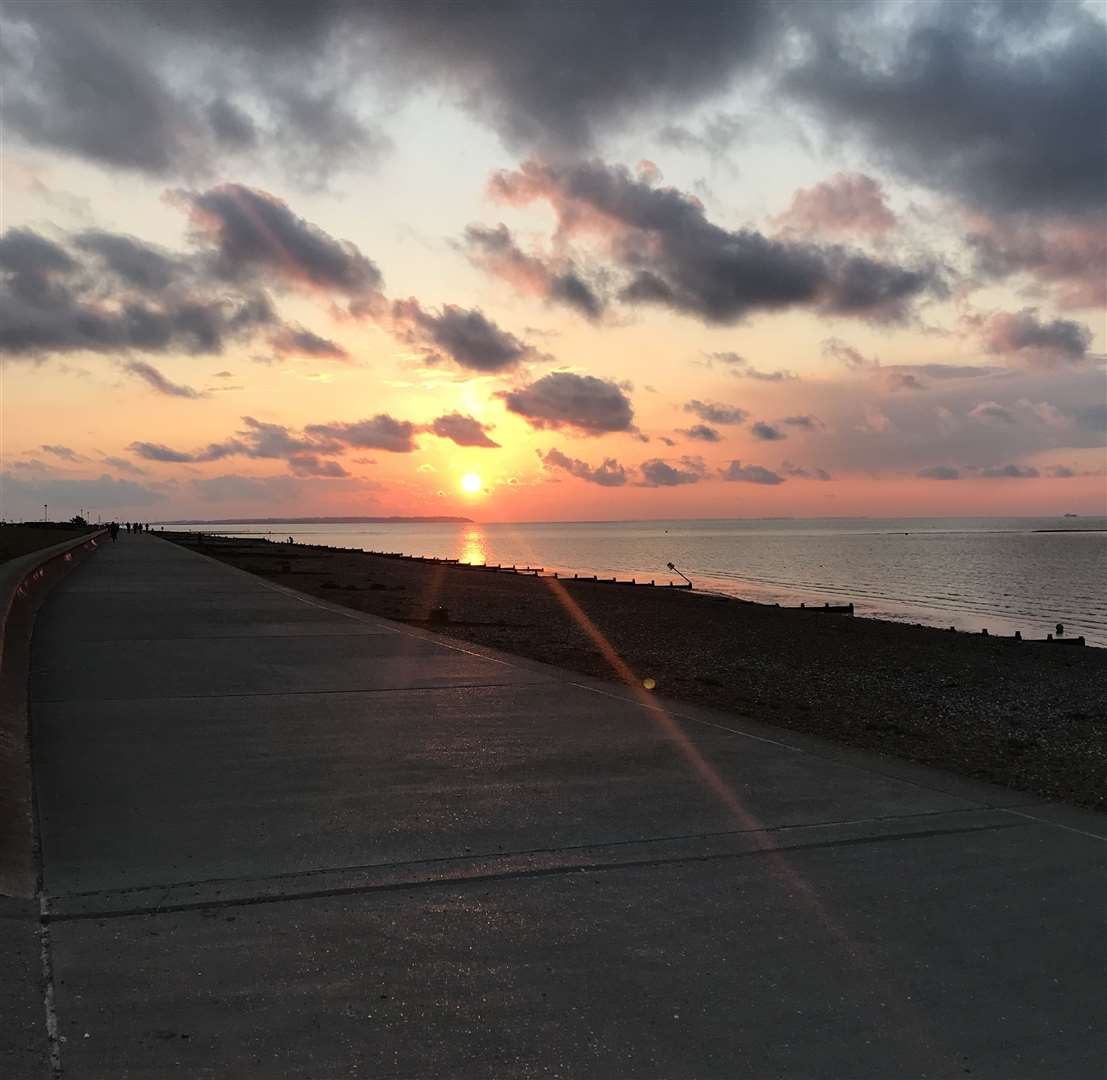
{"x": 470, "y": 483}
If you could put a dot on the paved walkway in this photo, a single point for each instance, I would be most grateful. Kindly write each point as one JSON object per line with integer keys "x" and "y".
{"x": 282, "y": 839}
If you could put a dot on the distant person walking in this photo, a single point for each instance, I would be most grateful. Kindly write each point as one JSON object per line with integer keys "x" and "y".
{"x": 113, "y": 528}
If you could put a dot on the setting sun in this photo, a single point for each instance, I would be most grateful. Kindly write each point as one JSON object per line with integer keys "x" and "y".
{"x": 470, "y": 483}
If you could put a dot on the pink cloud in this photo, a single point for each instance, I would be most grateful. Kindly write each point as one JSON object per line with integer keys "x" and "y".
{"x": 849, "y": 204}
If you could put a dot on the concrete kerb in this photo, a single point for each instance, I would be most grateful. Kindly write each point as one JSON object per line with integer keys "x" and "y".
{"x": 24, "y": 583}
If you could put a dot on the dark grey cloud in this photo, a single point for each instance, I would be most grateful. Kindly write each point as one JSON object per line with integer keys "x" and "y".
{"x": 50, "y": 303}
{"x": 1013, "y": 472}
{"x": 257, "y": 233}
{"x": 802, "y": 473}
{"x": 555, "y": 76}
{"x": 1025, "y": 338}
{"x": 806, "y": 421}
{"x": 119, "y": 84}
{"x": 150, "y": 451}
{"x": 380, "y": 432}
{"x": 766, "y": 432}
{"x": 701, "y": 433}
{"x": 659, "y": 473}
{"x": 464, "y": 335}
{"x": 137, "y": 263}
{"x": 556, "y": 280}
{"x": 312, "y": 465}
{"x": 463, "y": 430}
{"x": 750, "y": 474}
{"x": 609, "y": 473}
{"x": 296, "y": 341}
{"x": 263, "y": 440}
{"x": 1010, "y": 98}
{"x": 716, "y": 413}
{"x": 231, "y": 126}
{"x": 672, "y": 255}
{"x": 1060, "y": 472}
{"x": 940, "y": 472}
{"x": 581, "y": 403}
{"x": 157, "y": 381}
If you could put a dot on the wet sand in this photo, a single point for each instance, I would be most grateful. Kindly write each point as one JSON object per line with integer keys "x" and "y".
{"x": 1032, "y": 716}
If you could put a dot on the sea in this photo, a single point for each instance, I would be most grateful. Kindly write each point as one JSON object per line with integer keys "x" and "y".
{"x": 999, "y": 574}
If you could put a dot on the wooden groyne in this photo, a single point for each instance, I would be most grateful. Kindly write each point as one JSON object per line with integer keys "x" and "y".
{"x": 281, "y": 550}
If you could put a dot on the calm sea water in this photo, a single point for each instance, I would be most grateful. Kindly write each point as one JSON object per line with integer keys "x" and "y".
{"x": 1005, "y": 574}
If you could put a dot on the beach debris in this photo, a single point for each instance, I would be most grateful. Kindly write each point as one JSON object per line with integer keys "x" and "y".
{"x": 681, "y": 572}
{"x": 649, "y": 684}
{"x": 1060, "y": 629}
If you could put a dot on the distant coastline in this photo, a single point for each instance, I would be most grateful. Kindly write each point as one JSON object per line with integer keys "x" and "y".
{"x": 321, "y": 521}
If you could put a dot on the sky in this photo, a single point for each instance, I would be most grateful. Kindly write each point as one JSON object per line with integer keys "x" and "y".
{"x": 617, "y": 260}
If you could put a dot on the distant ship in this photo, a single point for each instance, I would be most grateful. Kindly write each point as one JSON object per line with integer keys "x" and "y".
{"x": 1072, "y": 515}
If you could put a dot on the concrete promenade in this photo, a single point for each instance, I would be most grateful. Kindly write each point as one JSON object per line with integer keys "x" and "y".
{"x": 283, "y": 839}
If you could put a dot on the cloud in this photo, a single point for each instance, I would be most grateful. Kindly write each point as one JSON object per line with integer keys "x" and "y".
{"x": 659, "y": 473}
{"x": 798, "y": 471}
{"x": 466, "y": 336}
{"x": 256, "y": 233}
{"x": 940, "y": 472}
{"x": 750, "y": 474}
{"x": 742, "y": 369}
{"x": 608, "y": 474}
{"x": 1011, "y": 99}
{"x": 848, "y": 356}
{"x": 673, "y": 256}
{"x": 807, "y": 422}
{"x": 582, "y": 403}
{"x": 50, "y": 303}
{"x": 990, "y": 410}
{"x": 702, "y": 433}
{"x": 102, "y": 494}
{"x": 1023, "y": 337}
{"x": 848, "y": 204}
{"x": 463, "y": 430}
{"x": 1014, "y": 472}
{"x": 311, "y": 465}
{"x": 716, "y": 413}
{"x": 157, "y": 381}
{"x": 235, "y": 488}
{"x": 556, "y": 281}
{"x": 716, "y": 137}
{"x": 1091, "y": 417}
{"x": 63, "y": 452}
{"x": 296, "y": 341}
{"x": 895, "y": 381}
{"x": 1066, "y": 256}
{"x": 554, "y": 77}
{"x": 380, "y": 432}
{"x": 123, "y": 465}
{"x": 766, "y": 432}
{"x": 1060, "y": 472}
{"x": 138, "y": 264}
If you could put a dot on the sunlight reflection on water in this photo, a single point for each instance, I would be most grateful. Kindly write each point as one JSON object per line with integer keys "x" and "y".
{"x": 473, "y": 546}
